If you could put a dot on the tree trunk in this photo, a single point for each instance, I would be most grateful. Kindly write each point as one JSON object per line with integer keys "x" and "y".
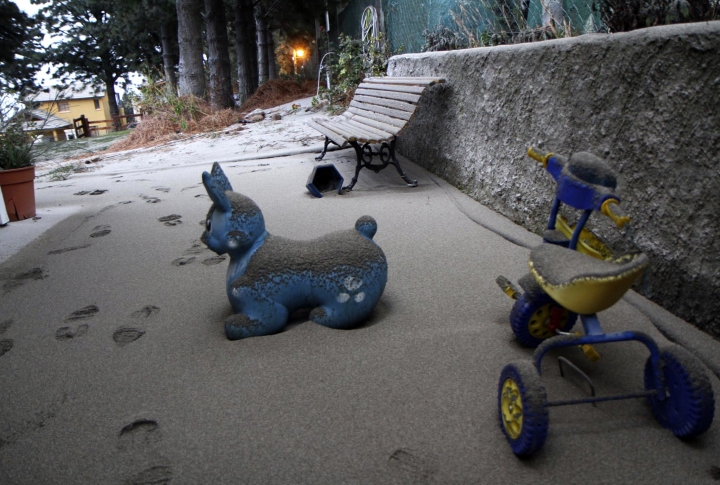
{"x": 220, "y": 88}
{"x": 112, "y": 101}
{"x": 272, "y": 66}
{"x": 192, "y": 73}
{"x": 262, "y": 57}
{"x": 244, "y": 36}
{"x": 168, "y": 32}
{"x": 253, "y": 50}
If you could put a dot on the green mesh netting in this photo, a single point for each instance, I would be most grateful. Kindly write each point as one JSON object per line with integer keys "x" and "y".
{"x": 404, "y": 21}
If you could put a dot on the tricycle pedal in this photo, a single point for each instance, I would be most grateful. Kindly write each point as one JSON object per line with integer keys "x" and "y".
{"x": 508, "y": 288}
{"x": 590, "y": 352}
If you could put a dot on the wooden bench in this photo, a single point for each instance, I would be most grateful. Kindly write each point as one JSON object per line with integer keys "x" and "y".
{"x": 378, "y": 113}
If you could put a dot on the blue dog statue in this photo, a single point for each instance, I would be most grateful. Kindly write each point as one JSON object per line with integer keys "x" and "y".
{"x": 340, "y": 276}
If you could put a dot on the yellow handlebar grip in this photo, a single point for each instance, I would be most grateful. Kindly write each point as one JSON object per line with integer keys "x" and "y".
{"x": 605, "y": 208}
{"x": 536, "y": 156}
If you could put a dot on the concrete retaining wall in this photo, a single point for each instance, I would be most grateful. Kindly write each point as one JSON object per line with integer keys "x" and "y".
{"x": 647, "y": 101}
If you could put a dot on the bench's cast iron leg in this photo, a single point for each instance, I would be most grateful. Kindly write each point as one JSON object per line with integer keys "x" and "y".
{"x": 328, "y": 141}
{"x": 396, "y": 162}
{"x": 359, "y": 153}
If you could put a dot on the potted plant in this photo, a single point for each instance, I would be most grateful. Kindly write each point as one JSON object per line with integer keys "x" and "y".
{"x": 17, "y": 171}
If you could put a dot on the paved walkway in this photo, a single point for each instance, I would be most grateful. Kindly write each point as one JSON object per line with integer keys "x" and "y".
{"x": 118, "y": 369}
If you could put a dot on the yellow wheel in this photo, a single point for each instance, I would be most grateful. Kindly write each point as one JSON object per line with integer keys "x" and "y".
{"x": 536, "y": 319}
{"x": 511, "y": 408}
{"x": 521, "y": 408}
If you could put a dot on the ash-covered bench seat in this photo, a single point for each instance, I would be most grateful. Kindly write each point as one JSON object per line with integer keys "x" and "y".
{"x": 380, "y": 110}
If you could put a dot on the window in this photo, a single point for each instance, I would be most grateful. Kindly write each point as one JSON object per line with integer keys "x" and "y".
{"x": 97, "y": 103}
{"x": 63, "y": 106}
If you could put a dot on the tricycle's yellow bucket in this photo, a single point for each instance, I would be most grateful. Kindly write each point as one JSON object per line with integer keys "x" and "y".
{"x": 581, "y": 283}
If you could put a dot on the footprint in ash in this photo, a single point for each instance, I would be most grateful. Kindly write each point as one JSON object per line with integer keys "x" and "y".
{"x": 213, "y": 261}
{"x": 192, "y": 251}
{"x": 183, "y": 261}
{"x": 412, "y": 465}
{"x": 143, "y": 437}
{"x": 196, "y": 248}
{"x": 100, "y": 231}
{"x": 69, "y": 332}
{"x": 139, "y": 435}
{"x": 171, "y": 220}
{"x": 146, "y": 312}
{"x": 149, "y": 200}
{"x": 93, "y": 192}
{"x": 156, "y": 475}
{"x": 68, "y": 249}
{"x": 125, "y": 335}
{"x": 5, "y": 345}
{"x": 20, "y": 279}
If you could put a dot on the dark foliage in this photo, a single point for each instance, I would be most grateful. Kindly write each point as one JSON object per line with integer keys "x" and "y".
{"x": 19, "y": 41}
{"x": 626, "y": 15}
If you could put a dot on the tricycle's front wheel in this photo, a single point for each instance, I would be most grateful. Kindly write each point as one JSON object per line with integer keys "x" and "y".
{"x": 688, "y": 408}
{"x": 521, "y": 408}
{"x": 535, "y": 319}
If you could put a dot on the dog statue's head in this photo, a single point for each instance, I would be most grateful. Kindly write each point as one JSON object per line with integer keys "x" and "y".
{"x": 234, "y": 221}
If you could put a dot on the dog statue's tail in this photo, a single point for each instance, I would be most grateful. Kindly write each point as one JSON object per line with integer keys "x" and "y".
{"x": 366, "y": 226}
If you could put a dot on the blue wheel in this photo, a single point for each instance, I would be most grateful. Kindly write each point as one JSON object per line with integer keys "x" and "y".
{"x": 535, "y": 319}
{"x": 521, "y": 408}
{"x": 689, "y": 405}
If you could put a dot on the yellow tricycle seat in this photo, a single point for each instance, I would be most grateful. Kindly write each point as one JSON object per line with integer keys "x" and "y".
{"x": 581, "y": 283}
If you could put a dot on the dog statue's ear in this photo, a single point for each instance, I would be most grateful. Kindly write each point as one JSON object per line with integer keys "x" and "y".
{"x": 216, "y": 183}
{"x": 221, "y": 180}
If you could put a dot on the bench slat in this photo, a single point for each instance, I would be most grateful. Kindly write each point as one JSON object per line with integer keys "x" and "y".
{"x": 416, "y": 81}
{"x": 364, "y": 132}
{"x": 388, "y": 103}
{"x": 377, "y": 124}
{"x": 336, "y": 128}
{"x": 336, "y": 137}
{"x": 353, "y": 132}
{"x": 395, "y": 113}
{"x": 400, "y": 88}
{"x": 411, "y": 98}
{"x": 382, "y": 135}
{"x": 399, "y": 123}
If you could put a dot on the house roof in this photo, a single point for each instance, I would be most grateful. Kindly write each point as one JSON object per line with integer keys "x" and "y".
{"x": 44, "y": 121}
{"x": 73, "y": 92}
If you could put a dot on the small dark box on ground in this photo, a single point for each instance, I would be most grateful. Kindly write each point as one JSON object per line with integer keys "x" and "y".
{"x": 324, "y": 178}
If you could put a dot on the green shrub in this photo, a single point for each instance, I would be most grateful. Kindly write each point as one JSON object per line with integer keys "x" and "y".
{"x": 15, "y": 147}
{"x": 353, "y": 62}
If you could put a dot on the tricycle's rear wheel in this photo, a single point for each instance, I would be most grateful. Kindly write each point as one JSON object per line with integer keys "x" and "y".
{"x": 521, "y": 408}
{"x": 535, "y": 319}
{"x": 689, "y": 405}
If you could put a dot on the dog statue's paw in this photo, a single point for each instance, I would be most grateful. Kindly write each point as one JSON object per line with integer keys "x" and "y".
{"x": 240, "y": 326}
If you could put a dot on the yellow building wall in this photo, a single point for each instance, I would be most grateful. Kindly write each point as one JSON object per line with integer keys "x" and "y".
{"x": 85, "y": 106}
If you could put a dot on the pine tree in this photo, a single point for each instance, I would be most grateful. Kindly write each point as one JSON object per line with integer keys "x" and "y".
{"x": 94, "y": 44}
{"x": 192, "y": 72}
{"x": 19, "y": 46}
{"x": 220, "y": 80}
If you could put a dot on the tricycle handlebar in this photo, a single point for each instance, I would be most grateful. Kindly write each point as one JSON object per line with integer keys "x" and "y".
{"x": 611, "y": 208}
{"x": 536, "y": 156}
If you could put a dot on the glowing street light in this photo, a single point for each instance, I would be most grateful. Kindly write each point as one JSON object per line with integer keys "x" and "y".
{"x": 298, "y": 54}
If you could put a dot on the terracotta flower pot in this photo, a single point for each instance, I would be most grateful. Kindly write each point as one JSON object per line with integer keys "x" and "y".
{"x": 18, "y": 190}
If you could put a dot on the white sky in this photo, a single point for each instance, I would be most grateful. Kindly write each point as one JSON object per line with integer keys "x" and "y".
{"x": 45, "y": 79}
{"x": 27, "y": 7}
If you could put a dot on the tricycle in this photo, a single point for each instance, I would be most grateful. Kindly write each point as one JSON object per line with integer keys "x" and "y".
{"x": 573, "y": 273}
